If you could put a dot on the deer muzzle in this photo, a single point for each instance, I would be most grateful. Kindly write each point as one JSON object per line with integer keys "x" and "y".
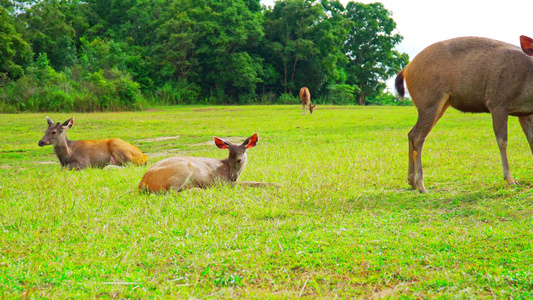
{"x": 42, "y": 143}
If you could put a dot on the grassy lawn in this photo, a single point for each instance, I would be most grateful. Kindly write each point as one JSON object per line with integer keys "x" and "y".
{"x": 345, "y": 223}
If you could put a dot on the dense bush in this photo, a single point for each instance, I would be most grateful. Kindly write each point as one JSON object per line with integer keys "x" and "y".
{"x": 387, "y": 98}
{"x": 44, "y": 89}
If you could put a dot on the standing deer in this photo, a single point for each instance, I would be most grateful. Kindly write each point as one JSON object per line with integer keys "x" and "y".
{"x": 89, "y": 153}
{"x": 305, "y": 98}
{"x": 183, "y": 172}
{"x": 471, "y": 74}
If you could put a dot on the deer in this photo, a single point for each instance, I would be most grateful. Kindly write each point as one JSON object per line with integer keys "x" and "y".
{"x": 184, "y": 172}
{"x": 305, "y": 98}
{"x": 471, "y": 74}
{"x": 89, "y": 153}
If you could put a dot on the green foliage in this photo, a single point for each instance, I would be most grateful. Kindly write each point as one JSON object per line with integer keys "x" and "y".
{"x": 387, "y": 98}
{"x": 182, "y": 93}
{"x": 115, "y": 89}
{"x": 14, "y": 51}
{"x": 48, "y": 31}
{"x": 44, "y": 89}
{"x": 342, "y": 94}
{"x": 286, "y": 98}
{"x": 291, "y": 36}
{"x": 370, "y": 46}
{"x": 208, "y": 51}
{"x": 344, "y": 224}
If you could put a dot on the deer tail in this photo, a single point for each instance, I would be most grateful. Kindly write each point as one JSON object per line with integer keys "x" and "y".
{"x": 398, "y": 83}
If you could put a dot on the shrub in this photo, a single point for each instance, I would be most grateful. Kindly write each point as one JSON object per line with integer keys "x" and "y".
{"x": 286, "y": 98}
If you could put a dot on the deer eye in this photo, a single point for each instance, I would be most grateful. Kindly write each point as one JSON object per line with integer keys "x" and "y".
{"x": 239, "y": 161}
{"x": 53, "y": 132}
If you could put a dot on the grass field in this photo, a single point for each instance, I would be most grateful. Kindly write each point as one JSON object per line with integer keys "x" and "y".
{"x": 344, "y": 224}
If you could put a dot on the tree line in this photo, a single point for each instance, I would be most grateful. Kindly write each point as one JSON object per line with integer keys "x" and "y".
{"x": 123, "y": 54}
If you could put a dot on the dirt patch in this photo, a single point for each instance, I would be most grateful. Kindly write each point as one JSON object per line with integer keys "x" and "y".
{"x": 47, "y": 162}
{"x": 205, "y": 109}
{"x": 204, "y": 143}
{"x": 14, "y": 151}
{"x": 340, "y": 107}
{"x": 169, "y": 153}
{"x": 386, "y": 293}
{"x": 220, "y": 109}
{"x": 153, "y": 109}
{"x": 161, "y": 138}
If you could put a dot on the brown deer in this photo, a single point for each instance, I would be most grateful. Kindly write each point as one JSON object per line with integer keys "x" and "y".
{"x": 305, "y": 98}
{"x": 89, "y": 153}
{"x": 183, "y": 172}
{"x": 471, "y": 74}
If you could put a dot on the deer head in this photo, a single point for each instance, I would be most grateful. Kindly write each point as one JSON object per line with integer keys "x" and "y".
{"x": 55, "y": 131}
{"x": 237, "y": 154}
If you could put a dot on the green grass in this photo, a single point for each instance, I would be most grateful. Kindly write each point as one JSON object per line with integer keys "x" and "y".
{"x": 344, "y": 224}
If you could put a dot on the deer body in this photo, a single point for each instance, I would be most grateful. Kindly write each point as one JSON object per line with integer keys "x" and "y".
{"x": 474, "y": 75}
{"x": 305, "y": 98}
{"x": 89, "y": 153}
{"x": 183, "y": 172}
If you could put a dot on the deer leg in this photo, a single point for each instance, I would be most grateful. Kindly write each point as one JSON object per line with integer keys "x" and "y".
{"x": 499, "y": 123}
{"x": 303, "y": 109}
{"x": 118, "y": 158}
{"x": 427, "y": 118}
{"x": 527, "y": 127}
{"x": 417, "y": 137}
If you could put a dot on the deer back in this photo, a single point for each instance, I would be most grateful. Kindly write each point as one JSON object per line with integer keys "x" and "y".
{"x": 475, "y": 73}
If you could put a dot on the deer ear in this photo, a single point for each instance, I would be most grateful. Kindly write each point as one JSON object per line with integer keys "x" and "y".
{"x": 251, "y": 141}
{"x": 68, "y": 123}
{"x": 527, "y": 45}
{"x": 220, "y": 143}
{"x": 49, "y": 121}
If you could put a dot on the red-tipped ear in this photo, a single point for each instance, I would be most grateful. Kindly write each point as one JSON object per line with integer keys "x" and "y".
{"x": 220, "y": 143}
{"x": 251, "y": 141}
{"x": 68, "y": 123}
{"x": 527, "y": 45}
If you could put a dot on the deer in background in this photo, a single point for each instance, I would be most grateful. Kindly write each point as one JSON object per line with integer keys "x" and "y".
{"x": 89, "y": 153}
{"x": 183, "y": 172}
{"x": 471, "y": 74}
{"x": 305, "y": 98}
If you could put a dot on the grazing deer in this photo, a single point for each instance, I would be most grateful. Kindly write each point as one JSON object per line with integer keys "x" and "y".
{"x": 90, "y": 153}
{"x": 183, "y": 172}
{"x": 305, "y": 98}
{"x": 471, "y": 74}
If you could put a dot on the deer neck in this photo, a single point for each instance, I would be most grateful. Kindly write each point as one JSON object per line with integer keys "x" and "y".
{"x": 223, "y": 172}
{"x": 63, "y": 151}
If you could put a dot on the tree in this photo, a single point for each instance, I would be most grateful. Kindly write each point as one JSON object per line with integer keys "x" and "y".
{"x": 48, "y": 32}
{"x": 369, "y": 48}
{"x": 206, "y": 42}
{"x": 304, "y": 41}
{"x": 14, "y": 51}
{"x": 289, "y": 28}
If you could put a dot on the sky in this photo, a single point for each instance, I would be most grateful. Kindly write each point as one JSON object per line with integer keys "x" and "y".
{"x": 424, "y": 22}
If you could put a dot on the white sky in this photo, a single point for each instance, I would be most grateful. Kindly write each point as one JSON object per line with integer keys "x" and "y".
{"x": 424, "y": 22}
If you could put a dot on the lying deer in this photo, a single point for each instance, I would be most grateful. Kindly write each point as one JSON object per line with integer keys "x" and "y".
{"x": 471, "y": 74}
{"x": 305, "y": 98}
{"x": 182, "y": 172}
{"x": 90, "y": 153}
